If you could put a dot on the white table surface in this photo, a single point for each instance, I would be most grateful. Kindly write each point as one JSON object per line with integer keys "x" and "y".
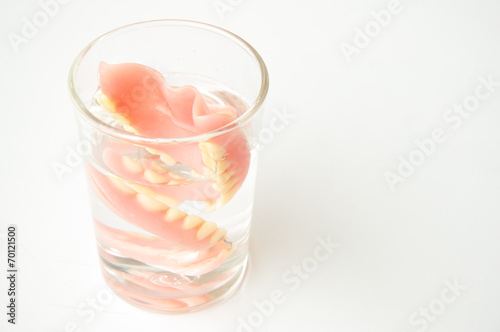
{"x": 422, "y": 257}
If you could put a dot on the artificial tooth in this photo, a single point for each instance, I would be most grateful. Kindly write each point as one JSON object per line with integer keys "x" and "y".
{"x": 141, "y": 189}
{"x": 192, "y": 222}
{"x": 167, "y": 159}
{"x": 228, "y": 185}
{"x": 151, "y": 204}
{"x": 214, "y": 150}
{"x": 174, "y": 214}
{"x": 195, "y": 174}
{"x": 222, "y": 166}
{"x": 122, "y": 186}
{"x": 165, "y": 199}
{"x": 130, "y": 129}
{"x": 106, "y": 103}
{"x": 209, "y": 162}
{"x": 158, "y": 166}
{"x": 224, "y": 177}
{"x": 217, "y": 235}
{"x": 132, "y": 165}
{"x": 205, "y": 230}
{"x": 175, "y": 176}
{"x": 153, "y": 177}
{"x": 153, "y": 151}
{"x": 120, "y": 118}
{"x": 226, "y": 113}
{"x": 225, "y": 198}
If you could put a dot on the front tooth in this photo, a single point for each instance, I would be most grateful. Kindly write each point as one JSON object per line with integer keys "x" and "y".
{"x": 130, "y": 129}
{"x": 165, "y": 199}
{"x": 120, "y": 118}
{"x": 122, "y": 186}
{"x": 167, "y": 159}
{"x": 151, "y": 204}
{"x": 214, "y": 150}
{"x": 210, "y": 206}
{"x": 219, "y": 234}
{"x": 132, "y": 165}
{"x": 153, "y": 177}
{"x": 106, "y": 103}
{"x": 192, "y": 222}
{"x": 158, "y": 166}
{"x": 174, "y": 214}
{"x": 205, "y": 230}
{"x": 142, "y": 189}
{"x": 226, "y": 113}
{"x": 175, "y": 176}
{"x": 169, "y": 201}
{"x": 195, "y": 174}
{"x": 153, "y": 151}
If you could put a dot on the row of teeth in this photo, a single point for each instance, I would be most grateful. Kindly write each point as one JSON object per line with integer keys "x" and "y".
{"x": 153, "y": 202}
{"x": 219, "y": 169}
{"x": 151, "y": 176}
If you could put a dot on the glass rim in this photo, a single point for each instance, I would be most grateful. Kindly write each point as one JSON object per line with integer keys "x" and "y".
{"x": 252, "y": 110}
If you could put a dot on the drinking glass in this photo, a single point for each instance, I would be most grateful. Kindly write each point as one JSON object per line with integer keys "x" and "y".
{"x": 172, "y": 214}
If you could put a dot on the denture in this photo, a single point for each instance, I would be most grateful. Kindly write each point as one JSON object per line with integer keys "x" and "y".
{"x": 145, "y": 183}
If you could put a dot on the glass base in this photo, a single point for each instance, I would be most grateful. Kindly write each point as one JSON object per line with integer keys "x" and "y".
{"x": 160, "y": 291}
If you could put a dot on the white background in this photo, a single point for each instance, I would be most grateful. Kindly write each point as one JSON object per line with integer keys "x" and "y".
{"x": 323, "y": 176}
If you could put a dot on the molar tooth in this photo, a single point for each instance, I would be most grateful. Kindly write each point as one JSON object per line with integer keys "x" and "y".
{"x": 226, "y": 197}
{"x": 224, "y": 177}
{"x": 167, "y": 159}
{"x": 205, "y": 230}
{"x": 217, "y": 235}
{"x": 105, "y": 102}
{"x": 192, "y": 222}
{"x": 151, "y": 204}
{"x": 174, "y": 214}
{"x": 130, "y": 129}
{"x": 209, "y": 162}
{"x": 222, "y": 166}
{"x": 229, "y": 185}
{"x": 122, "y": 186}
{"x": 153, "y": 177}
{"x": 132, "y": 165}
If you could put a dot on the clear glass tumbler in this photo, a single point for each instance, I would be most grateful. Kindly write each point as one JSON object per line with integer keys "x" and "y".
{"x": 171, "y": 214}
